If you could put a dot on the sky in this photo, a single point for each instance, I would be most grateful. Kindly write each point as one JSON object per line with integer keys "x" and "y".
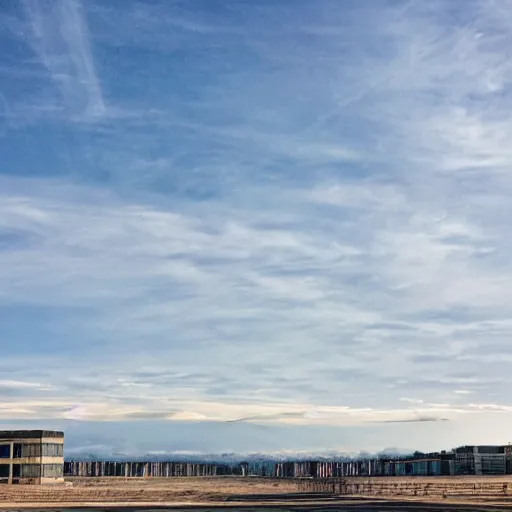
{"x": 256, "y": 225}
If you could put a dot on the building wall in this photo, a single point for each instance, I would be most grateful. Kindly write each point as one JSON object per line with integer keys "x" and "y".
{"x": 143, "y": 469}
{"x": 480, "y": 460}
{"x": 463, "y": 460}
{"x": 31, "y": 460}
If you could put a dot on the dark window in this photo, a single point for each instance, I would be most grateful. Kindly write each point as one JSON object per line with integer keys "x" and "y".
{"x": 4, "y": 470}
{"x": 17, "y": 450}
{"x": 5, "y": 451}
{"x": 16, "y": 470}
{"x": 53, "y": 450}
{"x": 31, "y": 450}
{"x": 30, "y": 470}
{"x": 464, "y": 449}
{"x": 491, "y": 449}
{"x": 53, "y": 470}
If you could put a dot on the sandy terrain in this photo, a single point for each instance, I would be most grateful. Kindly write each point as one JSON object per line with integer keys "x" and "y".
{"x": 248, "y": 493}
{"x": 134, "y": 490}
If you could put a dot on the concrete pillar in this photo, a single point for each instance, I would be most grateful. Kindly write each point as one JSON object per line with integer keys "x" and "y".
{"x": 11, "y": 455}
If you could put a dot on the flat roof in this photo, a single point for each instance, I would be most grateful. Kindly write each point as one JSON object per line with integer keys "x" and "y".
{"x": 29, "y": 434}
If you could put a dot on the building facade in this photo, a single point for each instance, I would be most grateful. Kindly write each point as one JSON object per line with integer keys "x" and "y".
{"x": 480, "y": 460}
{"x": 31, "y": 456}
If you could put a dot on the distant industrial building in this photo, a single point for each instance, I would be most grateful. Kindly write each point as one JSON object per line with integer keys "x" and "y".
{"x": 31, "y": 456}
{"x": 464, "y": 460}
{"x": 480, "y": 460}
{"x": 143, "y": 469}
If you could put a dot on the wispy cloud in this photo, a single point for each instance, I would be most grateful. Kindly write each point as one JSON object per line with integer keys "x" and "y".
{"x": 61, "y": 41}
{"x": 303, "y": 226}
{"x": 75, "y": 245}
{"x": 420, "y": 419}
{"x": 16, "y": 384}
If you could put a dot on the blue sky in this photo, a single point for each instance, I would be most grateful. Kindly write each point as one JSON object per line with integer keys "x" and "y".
{"x": 256, "y": 225}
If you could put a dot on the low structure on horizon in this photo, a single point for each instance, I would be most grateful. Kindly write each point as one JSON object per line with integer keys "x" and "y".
{"x": 31, "y": 457}
{"x": 465, "y": 460}
{"x": 483, "y": 460}
{"x": 37, "y": 457}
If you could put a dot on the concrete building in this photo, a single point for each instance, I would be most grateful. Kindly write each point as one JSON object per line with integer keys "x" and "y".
{"x": 480, "y": 460}
{"x": 31, "y": 456}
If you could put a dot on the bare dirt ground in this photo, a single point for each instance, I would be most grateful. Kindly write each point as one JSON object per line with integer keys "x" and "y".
{"x": 439, "y": 479}
{"x": 96, "y": 491}
{"x": 250, "y": 493}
